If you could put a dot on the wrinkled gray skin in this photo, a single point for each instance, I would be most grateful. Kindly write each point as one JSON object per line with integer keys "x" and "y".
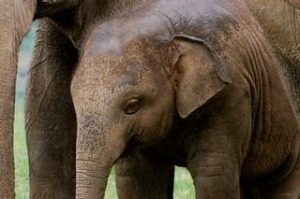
{"x": 193, "y": 84}
{"x": 280, "y": 21}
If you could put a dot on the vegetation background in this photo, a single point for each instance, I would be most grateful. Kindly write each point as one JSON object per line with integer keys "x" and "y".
{"x": 184, "y": 188}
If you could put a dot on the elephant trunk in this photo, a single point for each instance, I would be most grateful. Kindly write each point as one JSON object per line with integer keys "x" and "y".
{"x": 98, "y": 147}
{"x": 91, "y": 176}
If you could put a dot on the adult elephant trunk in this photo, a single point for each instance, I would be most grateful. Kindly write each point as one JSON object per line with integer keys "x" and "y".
{"x": 98, "y": 147}
{"x": 15, "y": 21}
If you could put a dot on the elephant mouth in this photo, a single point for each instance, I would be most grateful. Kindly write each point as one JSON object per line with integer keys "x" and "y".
{"x": 294, "y": 3}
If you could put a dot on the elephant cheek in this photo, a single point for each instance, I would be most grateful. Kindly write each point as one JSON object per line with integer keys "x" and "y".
{"x": 155, "y": 126}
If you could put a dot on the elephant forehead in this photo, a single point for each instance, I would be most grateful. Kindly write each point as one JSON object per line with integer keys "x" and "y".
{"x": 132, "y": 75}
{"x": 137, "y": 60}
{"x": 113, "y": 72}
{"x": 115, "y": 36}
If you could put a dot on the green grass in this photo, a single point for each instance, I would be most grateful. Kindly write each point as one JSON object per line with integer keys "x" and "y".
{"x": 184, "y": 188}
{"x": 21, "y": 163}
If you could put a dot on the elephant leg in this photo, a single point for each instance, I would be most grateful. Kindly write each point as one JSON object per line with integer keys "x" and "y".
{"x": 214, "y": 167}
{"x": 50, "y": 116}
{"x": 15, "y": 21}
{"x": 211, "y": 180}
{"x": 144, "y": 175}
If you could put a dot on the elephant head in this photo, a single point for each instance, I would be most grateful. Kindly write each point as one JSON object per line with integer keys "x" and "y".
{"x": 129, "y": 89}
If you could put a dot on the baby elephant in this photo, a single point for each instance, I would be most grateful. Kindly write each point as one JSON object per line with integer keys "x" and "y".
{"x": 189, "y": 83}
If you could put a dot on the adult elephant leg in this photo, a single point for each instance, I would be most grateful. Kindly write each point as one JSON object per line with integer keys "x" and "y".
{"x": 15, "y": 21}
{"x": 144, "y": 175}
{"x": 50, "y": 116}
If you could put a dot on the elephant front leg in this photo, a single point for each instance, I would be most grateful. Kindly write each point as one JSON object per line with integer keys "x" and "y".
{"x": 215, "y": 180}
{"x": 215, "y": 167}
{"x": 144, "y": 175}
{"x": 50, "y": 116}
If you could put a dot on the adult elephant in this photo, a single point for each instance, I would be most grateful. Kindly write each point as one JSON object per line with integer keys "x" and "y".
{"x": 193, "y": 84}
{"x": 50, "y": 118}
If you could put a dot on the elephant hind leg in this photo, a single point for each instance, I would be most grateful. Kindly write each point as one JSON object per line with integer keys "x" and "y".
{"x": 50, "y": 116}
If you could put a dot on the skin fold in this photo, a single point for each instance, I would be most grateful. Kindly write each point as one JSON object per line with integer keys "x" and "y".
{"x": 281, "y": 26}
{"x": 192, "y": 84}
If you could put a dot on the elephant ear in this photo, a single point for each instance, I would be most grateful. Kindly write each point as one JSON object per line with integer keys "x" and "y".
{"x": 201, "y": 74}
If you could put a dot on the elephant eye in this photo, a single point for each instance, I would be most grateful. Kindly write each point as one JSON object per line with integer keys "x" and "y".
{"x": 132, "y": 106}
